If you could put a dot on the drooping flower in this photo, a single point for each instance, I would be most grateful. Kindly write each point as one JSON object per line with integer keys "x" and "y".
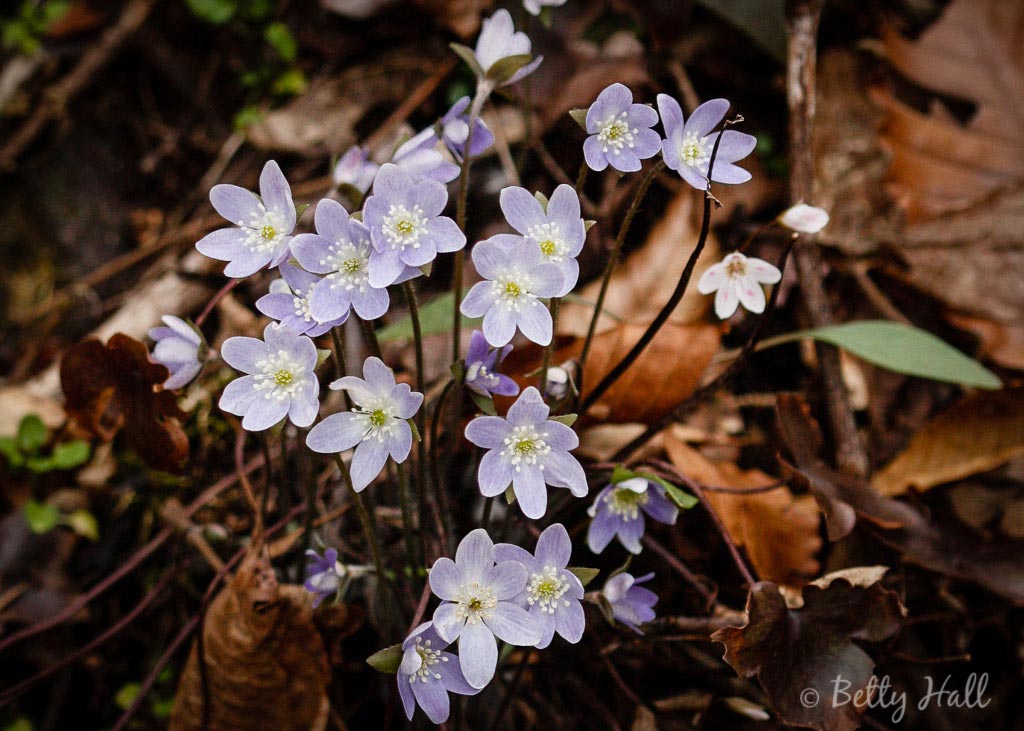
{"x": 620, "y": 131}
{"x": 552, "y": 594}
{"x": 323, "y": 574}
{"x": 377, "y": 426}
{"x": 289, "y": 302}
{"x": 420, "y": 160}
{"x": 428, "y": 674}
{"x": 804, "y": 219}
{"x": 631, "y": 603}
{"x": 558, "y": 228}
{"x": 341, "y": 250}
{"x": 619, "y": 511}
{"x": 406, "y": 225}
{"x": 263, "y": 225}
{"x": 516, "y": 276}
{"x": 279, "y": 378}
{"x": 557, "y": 383}
{"x": 455, "y": 131}
{"x": 178, "y": 346}
{"x": 481, "y": 363}
{"x": 527, "y": 451}
{"x": 688, "y": 145}
{"x": 477, "y": 606}
{"x": 355, "y": 168}
{"x": 499, "y": 40}
{"x": 738, "y": 279}
{"x": 533, "y": 7}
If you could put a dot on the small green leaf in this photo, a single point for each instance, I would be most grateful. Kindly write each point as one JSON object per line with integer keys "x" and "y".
{"x": 588, "y": 224}
{"x": 291, "y": 83}
{"x": 162, "y": 707}
{"x": 83, "y": 523}
{"x": 510, "y": 495}
{"x": 9, "y": 449}
{"x": 352, "y": 193}
{"x": 41, "y": 518}
{"x": 903, "y": 349}
{"x": 22, "y": 723}
{"x": 484, "y": 403}
{"x": 683, "y": 499}
{"x": 585, "y": 575}
{"x": 69, "y": 455}
{"x": 40, "y": 465}
{"x": 299, "y": 210}
{"x": 435, "y": 317}
{"x": 416, "y": 436}
{"x": 386, "y": 660}
{"x": 505, "y": 68}
{"x": 322, "y": 354}
{"x": 216, "y": 12}
{"x": 567, "y": 419}
{"x": 31, "y": 433}
{"x": 127, "y": 695}
{"x": 467, "y": 55}
{"x": 458, "y": 369}
{"x": 621, "y": 474}
{"x": 579, "y": 116}
{"x": 247, "y": 117}
{"x": 279, "y": 36}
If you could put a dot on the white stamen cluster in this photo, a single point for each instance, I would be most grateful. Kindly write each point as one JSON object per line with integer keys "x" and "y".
{"x": 265, "y": 230}
{"x": 280, "y": 377}
{"x": 525, "y": 445}
{"x": 350, "y": 267}
{"x": 625, "y": 502}
{"x": 300, "y": 301}
{"x": 379, "y": 419}
{"x": 549, "y": 237}
{"x": 616, "y": 133}
{"x": 404, "y": 227}
{"x": 474, "y": 602}
{"x": 429, "y": 659}
{"x": 479, "y": 372}
{"x": 735, "y": 266}
{"x": 546, "y": 588}
{"x": 510, "y": 289}
{"x": 693, "y": 150}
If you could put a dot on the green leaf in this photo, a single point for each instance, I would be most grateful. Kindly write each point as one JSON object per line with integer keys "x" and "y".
{"x": 127, "y": 695}
{"x": 579, "y": 116}
{"x": 542, "y": 199}
{"x": 484, "y": 403}
{"x": 416, "y": 436}
{"x": 40, "y": 465}
{"x": 9, "y": 449}
{"x": 505, "y": 68}
{"x": 83, "y": 523}
{"x": 247, "y": 117}
{"x": 41, "y": 518}
{"x": 435, "y": 317}
{"x": 21, "y": 723}
{"x": 683, "y": 499}
{"x": 386, "y": 660}
{"x": 901, "y": 348}
{"x": 280, "y": 38}
{"x": 291, "y": 83}
{"x": 69, "y": 455}
{"x": 567, "y": 419}
{"x": 217, "y": 12}
{"x": 31, "y": 433}
{"x": 467, "y": 55}
{"x": 585, "y": 575}
{"x": 162, "y": 707}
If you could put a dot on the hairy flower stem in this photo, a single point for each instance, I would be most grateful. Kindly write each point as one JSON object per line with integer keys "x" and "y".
{"x": 613, "y": 258}
{"x": 485, "y": 517}
{"x": 581, "y": 177}
{"x": 339, "y": 361}
{"x": 421, "y": 447}
{"x": 217, "y": 297}
{"x": 677, "y": 295}
{"x": 440, "y": 497}
{"x": 549, "y": 348}
{"x": 409, "y": 527}
{"x": 364, "y": 518}
{"x": 371, "y": 339}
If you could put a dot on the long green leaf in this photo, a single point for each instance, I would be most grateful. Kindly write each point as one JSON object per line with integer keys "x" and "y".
{"x": 435, "y": 317}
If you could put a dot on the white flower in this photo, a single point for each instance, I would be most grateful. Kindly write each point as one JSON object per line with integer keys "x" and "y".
{"x": 738, "y": 279}
{"x": 533, "y": 7}
{"x": 804, "y": 219}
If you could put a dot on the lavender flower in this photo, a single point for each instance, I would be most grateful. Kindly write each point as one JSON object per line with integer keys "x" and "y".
{"x": 289, "y": 302}
{"x": 376, "y": 427}
{"x": 557, "y": 228}
{"x": 552, "y": 594}
{"x": 687, "y": 147}
{"x": 481, "y": 362}
{"x": 428, "y": 674}
{"x": 279, "y": 378}
{"x": 406, "y": 225}
{"x": 478, "y": 606}
{"x": 323, "y": 574}
{"x": 528, "y": 451}
{"x": 630, "y": 603}
{"x": 419, "y": 159}
{"x": 619, "y": 511}
{"x": 264, "y": 227}
{"x": 620, "y": 131}
{"x": 455, "y": 131}
{"x": 738, "y": 279}
{"x": 341, "y": 250}
{"x": 516, "y": 277}
{"x": 499, "y": 40}
{"x": 355, "y": 169}
{"x": 178, "y": 346}
{"x": 533, "y": 7}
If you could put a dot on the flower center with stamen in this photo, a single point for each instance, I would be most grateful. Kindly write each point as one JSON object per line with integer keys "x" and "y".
{"x": 350, "y": 267}
{"x": 549, "y": 238}
{"x": 404, "y": 227}
{"x": 379, "y": 420}
{"x": 525, "y": 445}
{"x": 625, "y": 502}
{"x": 510, "y": 290}
{"x": 278, "y": 378}
{"x": 264, "y": 231}
{"x": 691, "y": 152}
{"x": 268, "y": 232}
{"x": 615, "y": 133}
{"x": 736, "y": 266}
{"x": 300, "y": 303}
{"x": 429, "y": 658}
{"x": 474, "y": 602}
{"x": 546, "y": 588}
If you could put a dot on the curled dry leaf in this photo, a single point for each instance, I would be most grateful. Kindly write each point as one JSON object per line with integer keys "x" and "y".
{"x": 266, "y": 666}
{"x": 116, "y": 386}
{"x": 979, "y": 433}
{"x": 797, "y": 654}
{"x": 778, "y": 531}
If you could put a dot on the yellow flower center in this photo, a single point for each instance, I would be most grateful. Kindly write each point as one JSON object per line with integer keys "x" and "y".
{"x": 512, "y": 289}
{"x": 351, "y": 266}
{"x": 378, "y": 417}
{"x": 284, "y": 378}
{"x": 268, "y": 232}
{"x": 404, "y": 227}
{"x": 548, "y": 247}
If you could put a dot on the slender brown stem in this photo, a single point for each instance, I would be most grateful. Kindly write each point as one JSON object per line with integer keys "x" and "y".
{"x": 581, "y": 177}
{"x": 409, "y": 526}
{"x": 339, "y": 362}
{"x": 364, "y": 517}
{"x": 549, "y": 348}
{"x": 371, "y": 339}
{"x": 421, "y": 423}
{"x": 217, "y": 297}
{"x": 440, "y": 496}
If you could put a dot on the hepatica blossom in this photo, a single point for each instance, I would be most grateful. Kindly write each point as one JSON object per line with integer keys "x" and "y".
{"x": 516, "y": 276}
{"x": 620, "y": 131}
{"x": 377, "y": 426}
{"x": 455, "y": 131}
{"x": 178, "y": 345}
{"x": 557, "y": 228}
{"x": 406, "y": 225}
{"x": 688, "y": 145}
{"x": 499, "y": 40}
{"x": 482, "y": 361}
{"x": 552, "y": 594}
{"x": 619, "y": 512}
{"x": 630, "y": 603}
{"x": 355, "y": 168}
{"x": 738, "y": 279}
{"x": 418, "y": 158}
{"x": 527, "y": 451}
{"x": 263, "y": 225}
{"x": 279, "y": 378}
{"x": 533, "y": 7}
{"x": 323, "y": 574}
{"x": 428, "y": 674}
{"x": 341, "y": 250}
{"x": 288, "y": 302}
{"x": 478, "y": 606}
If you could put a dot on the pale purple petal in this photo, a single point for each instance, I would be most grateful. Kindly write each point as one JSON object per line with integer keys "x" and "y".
{"x": 593, "y": 153}
{"x": 602, "y": 530}
{"x": 559, "y": 436}
{"x": 277, "y": 194}
{"x": 239, "y": 396}
{"x": 367, "y": 462}
{"x": 512, "y": 624}
{"x": 563, "y": 470}
{"x": 243, "y": 354}
{"x": 706, "y": 117}
{"x": 735, "y": 146}
{"x": 478, "y": 654}
{"x": 487, "y": 431}
{"x": 529, "y": 409}
{"x": 521, "y": 209}
{"x": 447, "y": 623}
{"x": 535, "y": 321}
{"x": 336, "y": 433}
{"x": 671, "y": 115}
{"x": 405, "y": 693}
{"x": 506, "y": 579}
{"x": 305, "y": 405}
{"x": 530, "y": 490}
{"x": 400, "y": 443}
{"x": 475, "y": 554}
{"x": 236, "y": 204}
{"x": 547, "y": 279}
{"x": 445, "y": 578}
{"x": 447, "y": 236}
{"x": 478, "y": 301}
{"x": 499, "y": 324}
{"x": 570, "y": 622}
{"x": 263, "y": 414}
{"x": 630, "y": 533}
{"x": 224, "y": 244}
{"x": 554, "y": 547}
{"x": 432, "y": 697}
{"x": 494, "y": 475}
